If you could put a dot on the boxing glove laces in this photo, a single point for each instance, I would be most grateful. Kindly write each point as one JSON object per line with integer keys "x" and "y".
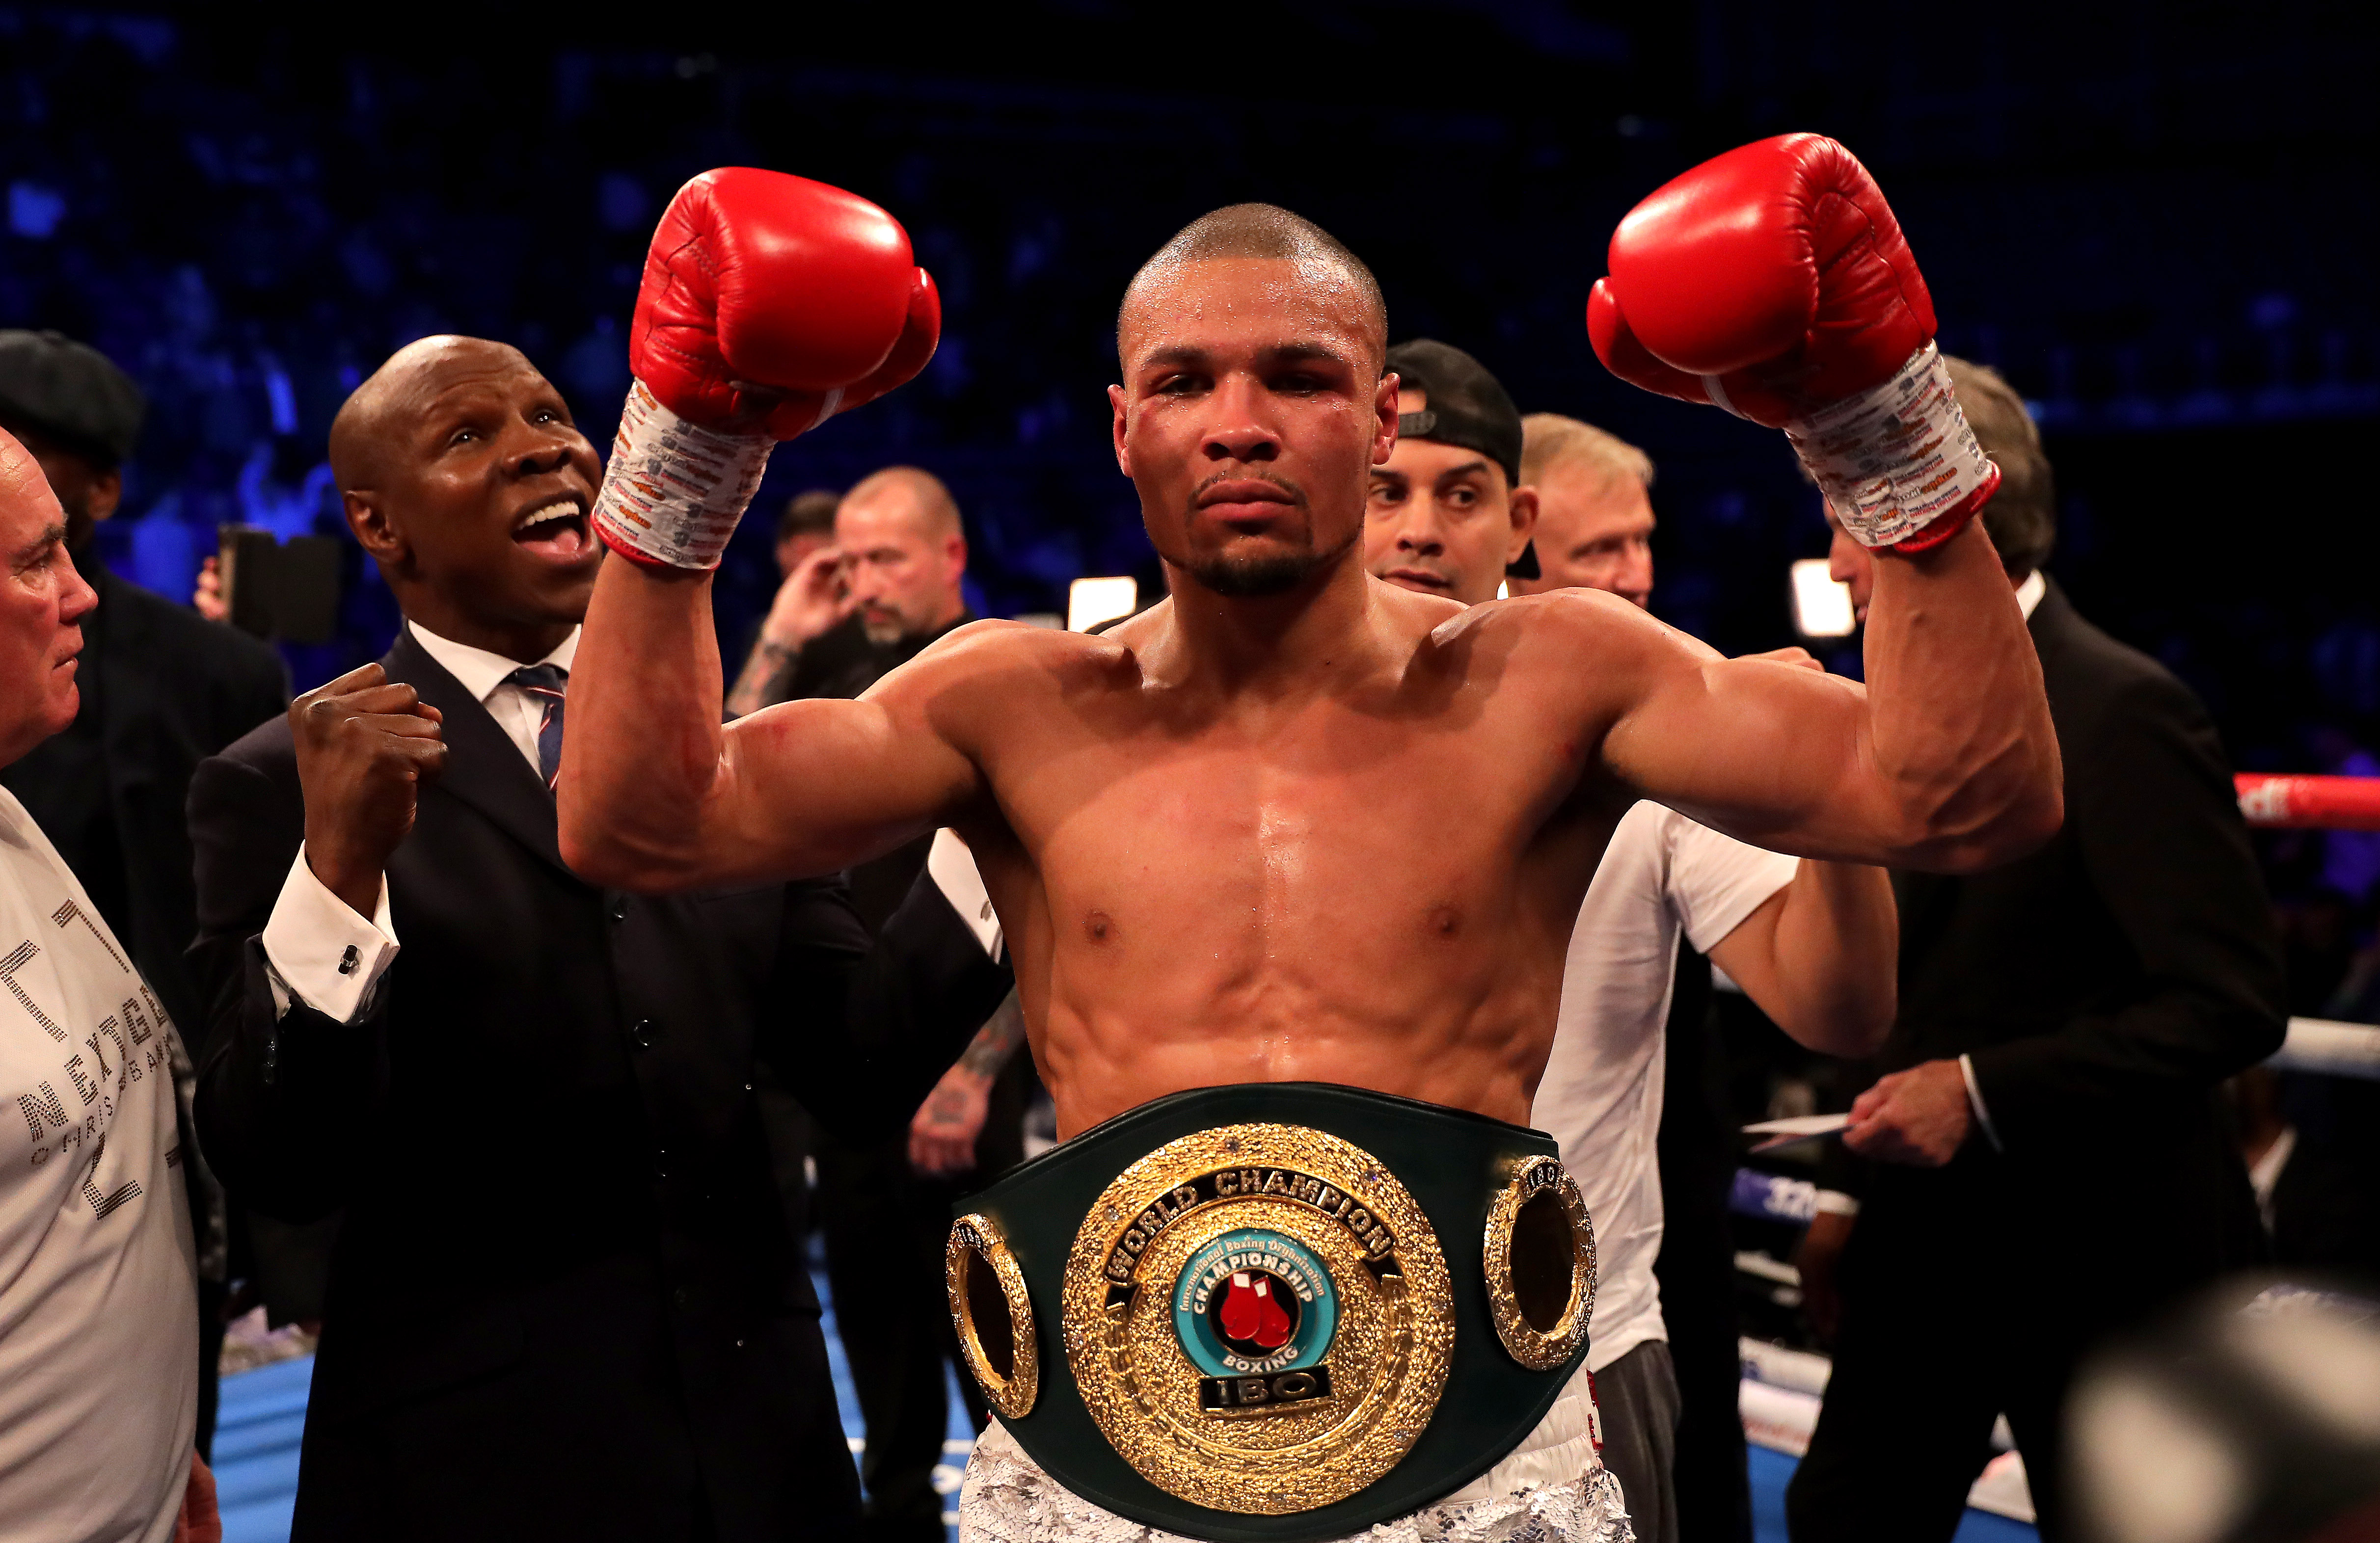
{"x": 770, "y": 304}
{"x": 1774, "y": 282}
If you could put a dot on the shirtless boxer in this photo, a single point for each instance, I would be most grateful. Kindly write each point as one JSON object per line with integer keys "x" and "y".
{"x": 1295, "y": 826}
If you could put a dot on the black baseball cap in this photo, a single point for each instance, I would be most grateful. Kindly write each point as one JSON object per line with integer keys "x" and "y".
{"x": 1467, "y": 406}
{"x": 71, "y": 392}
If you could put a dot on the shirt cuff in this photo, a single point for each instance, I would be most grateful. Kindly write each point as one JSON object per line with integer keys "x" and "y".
{"x": 318, "y": 950}
{"x": 1975, "y": 1102}
{"x": 953, "y": 869}
{"x": 1834, "y": 1202}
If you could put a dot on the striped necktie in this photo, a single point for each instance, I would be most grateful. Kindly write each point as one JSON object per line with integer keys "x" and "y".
{"x": 545, "y": 684}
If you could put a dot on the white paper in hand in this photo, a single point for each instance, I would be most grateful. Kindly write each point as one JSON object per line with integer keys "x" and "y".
{"x": 1800, "y": 1127}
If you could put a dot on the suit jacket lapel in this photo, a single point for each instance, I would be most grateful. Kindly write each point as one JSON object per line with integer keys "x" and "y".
{"x": 484, "y": 768}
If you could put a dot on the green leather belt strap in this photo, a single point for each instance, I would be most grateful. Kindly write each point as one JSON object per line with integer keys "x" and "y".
{"x": 1454, "y": 1165}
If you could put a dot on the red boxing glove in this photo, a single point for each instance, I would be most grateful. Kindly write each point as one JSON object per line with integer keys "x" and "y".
{"x": 770, "y": 304}
{"x": 1774, "y": 282}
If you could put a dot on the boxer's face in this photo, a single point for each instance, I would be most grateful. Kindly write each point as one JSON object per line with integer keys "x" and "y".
{"x": 481, "y": 505}
{"x": 1440, "y": 520}
{"x": 42, "y": 602}
{"x": 1252, "y": 406}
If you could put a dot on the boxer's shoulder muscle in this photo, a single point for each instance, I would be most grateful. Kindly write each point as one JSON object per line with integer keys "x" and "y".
{"x": 987, "y": 673}
{"x": 1563, "y": 667}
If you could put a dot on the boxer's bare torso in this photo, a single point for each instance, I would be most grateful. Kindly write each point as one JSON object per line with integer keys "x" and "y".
{"x": 1367, "y": 880}
{"x": 1311, "y": 828}
{"x": 1364, "y": 870}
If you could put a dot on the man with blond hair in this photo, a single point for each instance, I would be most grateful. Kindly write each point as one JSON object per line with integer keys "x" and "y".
{"x": 1595, "y": 509}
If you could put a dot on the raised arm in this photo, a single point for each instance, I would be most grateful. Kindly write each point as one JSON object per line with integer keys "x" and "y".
{"x": 769, "y": 304}
{"x": 1945, "y": 761}
{"x": 1774, "y": 282}
{"x": 656, "y": 794}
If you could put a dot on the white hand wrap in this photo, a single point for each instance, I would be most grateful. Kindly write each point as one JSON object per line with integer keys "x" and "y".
{"x": 1895, "y": 459}
{"x": 674, "y": 490}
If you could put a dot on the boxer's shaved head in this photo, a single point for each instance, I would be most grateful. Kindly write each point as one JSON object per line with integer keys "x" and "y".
{"x": 1259, "y": 232}
{"x": 1254, "y": 400}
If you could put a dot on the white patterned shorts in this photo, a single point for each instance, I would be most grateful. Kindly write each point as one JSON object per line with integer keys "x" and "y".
{"x": 1551, "y": 1489}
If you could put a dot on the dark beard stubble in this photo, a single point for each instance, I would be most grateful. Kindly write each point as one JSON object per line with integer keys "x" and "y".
{"x": 1258, "y": 578}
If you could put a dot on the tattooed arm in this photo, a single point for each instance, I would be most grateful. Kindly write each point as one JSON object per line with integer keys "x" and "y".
{"x": 943, "y": 1132}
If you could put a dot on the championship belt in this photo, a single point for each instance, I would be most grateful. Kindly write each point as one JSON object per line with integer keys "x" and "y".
{"x": 1275, "y": 1312}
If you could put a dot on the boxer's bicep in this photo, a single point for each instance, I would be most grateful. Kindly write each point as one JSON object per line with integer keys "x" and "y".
{"x": 1768, "y": 753}
{"x": 812, "y": 786}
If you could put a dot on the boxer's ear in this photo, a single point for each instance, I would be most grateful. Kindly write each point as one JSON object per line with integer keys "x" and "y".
{"x": 1384, "y": 404}
{"x": 1116, "y": 406}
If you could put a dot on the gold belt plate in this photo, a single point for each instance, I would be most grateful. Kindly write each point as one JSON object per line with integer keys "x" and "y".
{"x": 1259, "y": 1317}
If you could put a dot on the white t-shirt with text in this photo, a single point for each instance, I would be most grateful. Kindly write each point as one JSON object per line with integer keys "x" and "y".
{"x": 1601, "y": 1096}
{"x": 99, "y": 1353}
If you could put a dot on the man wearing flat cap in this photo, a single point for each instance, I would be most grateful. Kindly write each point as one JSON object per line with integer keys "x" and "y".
{"x": 161, "y": 690}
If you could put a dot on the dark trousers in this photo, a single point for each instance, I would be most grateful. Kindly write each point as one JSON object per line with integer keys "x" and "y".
{"x": 1696, "y": 1267}
{"x": 1931, "y": 1349}
{"x": 1637, "y": 1399}
{"x": 885, "y": 1228}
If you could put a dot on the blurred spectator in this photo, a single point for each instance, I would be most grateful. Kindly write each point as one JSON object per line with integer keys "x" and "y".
{"x": 161, "y": 689}
{"x": 98, "y": 1375}
{"x": 1631, "y": 1088}
{"x": 2045, "y": 1157}
{"x": 807, "y": 524}
{"x": 852, "y": 611}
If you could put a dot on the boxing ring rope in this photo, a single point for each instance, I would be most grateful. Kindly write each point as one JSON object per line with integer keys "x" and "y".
{"x": 2277, "y": 802}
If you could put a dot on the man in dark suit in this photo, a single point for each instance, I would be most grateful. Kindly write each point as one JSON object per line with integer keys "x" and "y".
{"x": 564, "y": 1300}
{"x": 163, "y": 689}
{"x": 2044, "y": 1160}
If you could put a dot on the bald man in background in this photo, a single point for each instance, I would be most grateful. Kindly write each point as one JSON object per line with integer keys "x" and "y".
{"x": 859, "y": 606}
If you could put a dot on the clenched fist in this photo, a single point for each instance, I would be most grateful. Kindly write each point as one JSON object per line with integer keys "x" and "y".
{"x": 365, "y": 746}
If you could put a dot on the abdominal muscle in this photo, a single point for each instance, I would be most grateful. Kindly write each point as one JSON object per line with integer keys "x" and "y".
{"x": 1100, "y": 1053}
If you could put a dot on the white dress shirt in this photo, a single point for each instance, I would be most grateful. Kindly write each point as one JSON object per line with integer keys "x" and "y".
{"x": 318, "y": 950}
